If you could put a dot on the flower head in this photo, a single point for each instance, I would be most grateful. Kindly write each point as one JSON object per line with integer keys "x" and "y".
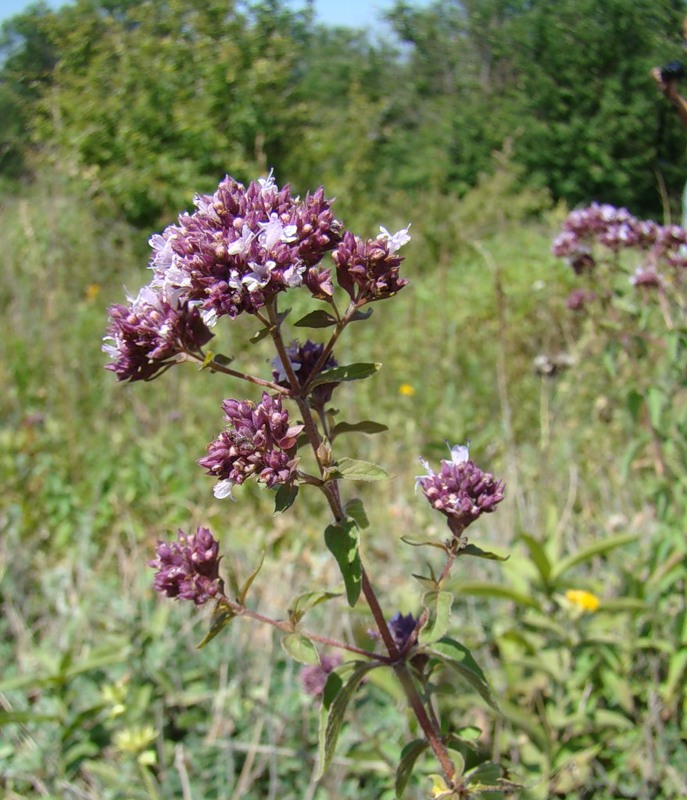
{"x": 241, "y": 247}
{"x": 460, "y": 490}
{"x": 585, "y": 601}
{"x": 188, "y": 568}
{"x": 368, "y": 271}
{"x": 255, "y": 444}
{"x": 146, "y": 336}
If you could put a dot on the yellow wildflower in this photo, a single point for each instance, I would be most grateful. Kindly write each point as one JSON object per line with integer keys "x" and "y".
{"x": 92, "y": 291}
{"x": 586, "y": 601}
{"x": 406, "y": 390}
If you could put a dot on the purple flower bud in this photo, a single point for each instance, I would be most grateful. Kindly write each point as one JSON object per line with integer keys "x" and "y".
{"x": 460, "y": 490}
{"x": 401, "y": 627}
{"x": 578, "y": 299}
{"x": 646, "y": 278}
{"x": 303, "y": 359}
{"x": 147, "y": 335}
{"x": 314, "y": 677}
{"x": 188, "y": 568}
{"x": 255, "y": 444}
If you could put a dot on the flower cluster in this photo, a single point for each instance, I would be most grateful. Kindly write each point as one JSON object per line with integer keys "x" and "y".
{"x": 242, "y": 246}
{"x": 256, "y": 443}
{"x": 368, "y": 271}
{"x": 188, "y": 568}
{"x": 460, "y": 490}
{"x": 314, "y": 677}
{"x": 303, "y": 359}
{"x": 147, "y": 336}
{"x": 616, "y": 229}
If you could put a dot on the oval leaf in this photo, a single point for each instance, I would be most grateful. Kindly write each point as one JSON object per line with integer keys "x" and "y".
{"x": 300, "y": 648}
{"x": 352, "y": 372}
{"x": 354, "y": 470}
{"x": 456, "y": 656}
{"x": 306, "y": 601}
{"x": 355, "y": 509}
{"x": 473, "y": 550}
{"x": 366, "y": 426}
{"x": 342, "y": 541}
{"x": 439, "y": 605}
{"x": 316, "y": 319}
{"x": 285, "y": 497}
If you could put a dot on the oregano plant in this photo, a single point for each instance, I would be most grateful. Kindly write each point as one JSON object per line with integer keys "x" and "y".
{"x": 238, "y": 253}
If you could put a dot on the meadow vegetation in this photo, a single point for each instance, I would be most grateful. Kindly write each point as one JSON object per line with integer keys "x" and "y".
{"x": 582, "y": 632}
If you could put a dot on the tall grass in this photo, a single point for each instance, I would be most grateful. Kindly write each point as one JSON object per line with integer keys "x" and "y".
{"x": 93, "y": 472}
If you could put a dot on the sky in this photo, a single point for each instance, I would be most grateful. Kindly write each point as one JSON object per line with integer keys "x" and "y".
{"x": 357, "y": 13}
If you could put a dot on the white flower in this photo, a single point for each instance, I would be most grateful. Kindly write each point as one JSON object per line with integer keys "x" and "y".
{"x": 293, "y": 276}
{"x": 460, "y": 453}
{"x": 241, "y": 246}
{"x": 259, "y": 277}
{"x": 222, "y": 490}
{"x": 275, "y": 231}
{"x": 396, "y": 240}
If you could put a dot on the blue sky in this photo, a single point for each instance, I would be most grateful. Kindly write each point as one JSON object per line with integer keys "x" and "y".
{"x": 359, "y": 13}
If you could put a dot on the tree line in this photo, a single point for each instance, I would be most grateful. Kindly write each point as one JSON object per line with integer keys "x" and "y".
{"x": 143, "y": 103}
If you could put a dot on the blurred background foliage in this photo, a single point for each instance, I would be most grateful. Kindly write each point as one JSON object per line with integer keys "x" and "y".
{"x": 478, "y": 122}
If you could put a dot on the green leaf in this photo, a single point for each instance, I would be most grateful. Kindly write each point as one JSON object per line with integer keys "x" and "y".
{"x": 316, "y": 319}
{"x": 634, "y": 402}
{"x": 355, "y": 509}
{"x": 473, "y": 550}
{"x": 285, "y": 497}
{"x": 456, "y": 656}
{"x": 335, "y": 699}
{"x": 304, "y": 602}
{"x": 439, "y": 604}
{"x": 300, "y": 648}
{"x": 27, "y": 717}
{"x": 587, "y": 553}
{"x": 366, "y": 426}
{"x": 222, "y": 616}
{"x": 260, "y": 335}
{"x": 479, "y": 589}
{"x": 416, "y": 541}
{"x": 246, "y": 586}
{"x": 354, "y": 470}
{"x": 352, "y": 372}
{"x": 342, "y": 541}
{"x": 409, "y": 755}
{"x": 485, "y": 779}
{"x": 538, "y": 555}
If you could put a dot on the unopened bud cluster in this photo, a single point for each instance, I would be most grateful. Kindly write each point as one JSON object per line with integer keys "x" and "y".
{"x": 303, "y": 359}
{"x": 460, "y": 490}
{"x": 255, "y": 444}
{"x": 188, "y": 568}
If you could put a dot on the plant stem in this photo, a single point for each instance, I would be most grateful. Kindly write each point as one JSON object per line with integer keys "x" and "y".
{"x": 286, "y": 627}
{"x": 331, "y": 491}
{"x": 217, "y": 367}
